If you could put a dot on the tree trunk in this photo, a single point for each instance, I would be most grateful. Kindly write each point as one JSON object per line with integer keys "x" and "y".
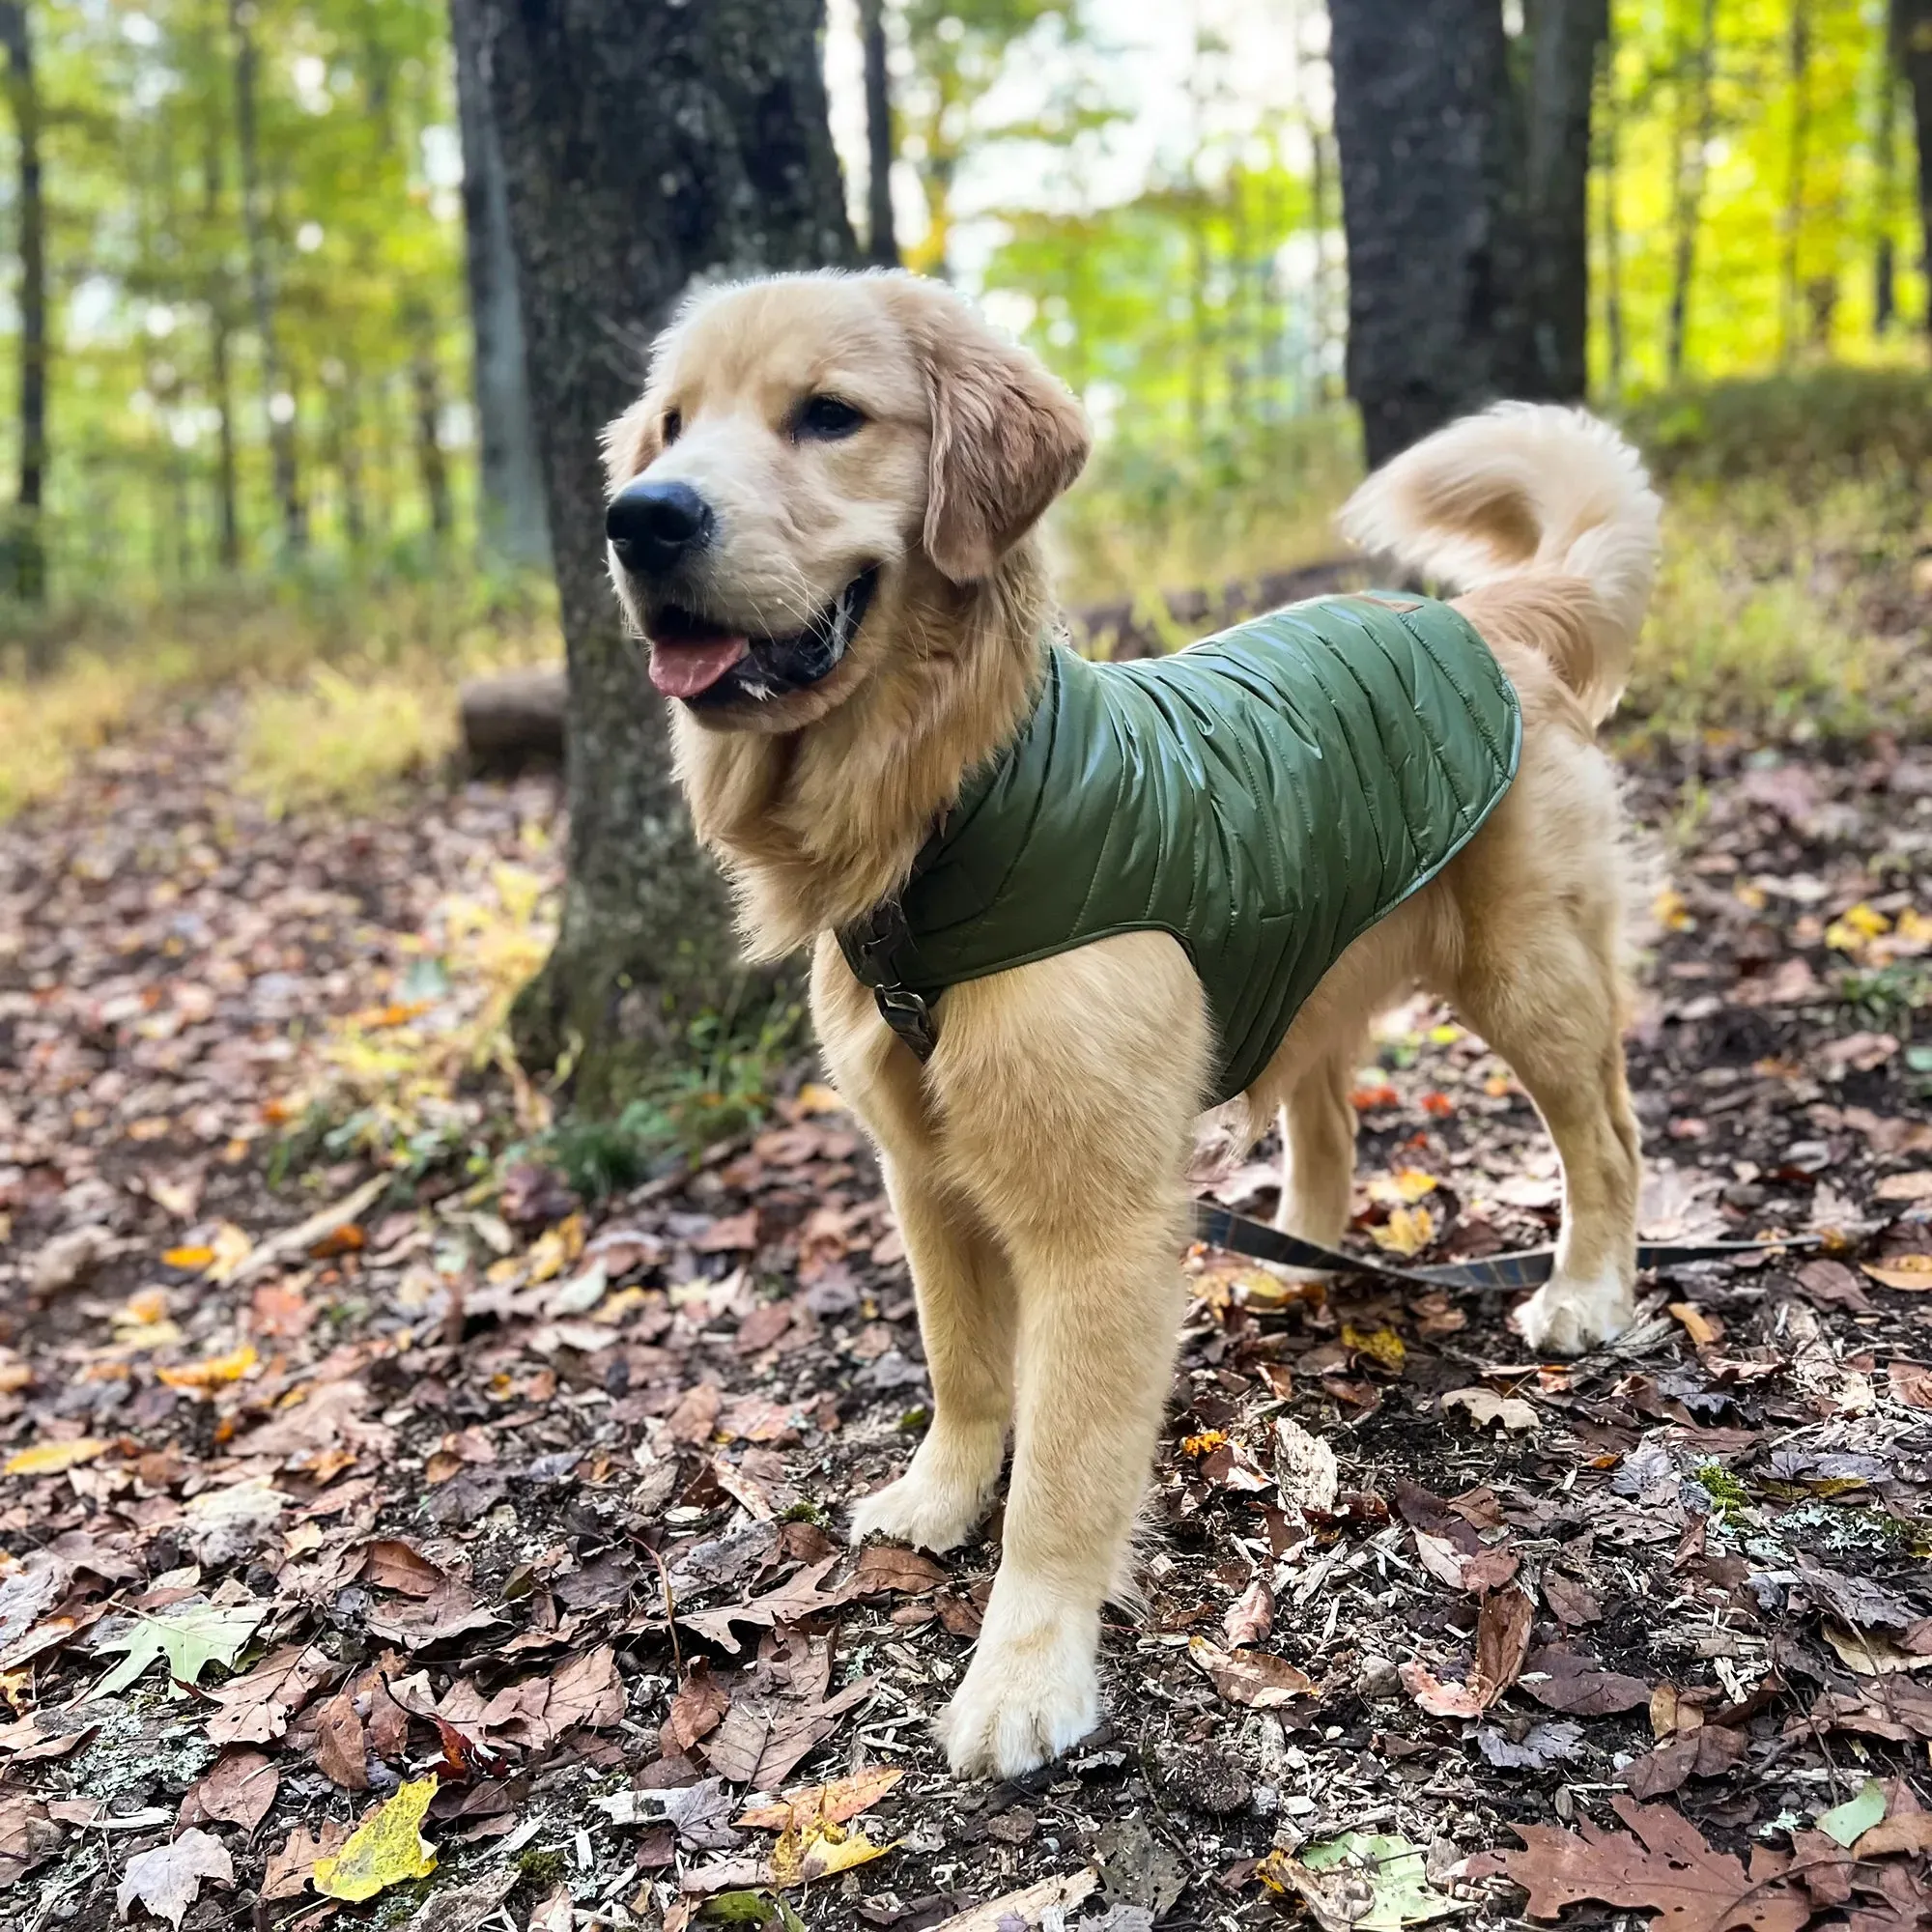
{"x": 280, "y": 400}
{"x": 1439, "y": 302}
{"x": 646, "y": 145}
{"x": 1789, "y": 287}
{"x": 1566, "y": 38}
{"x": 1696, "y": 126}
{"x": 1614, "y": 240}
{"x": 513, "y": 520}
{"x": 219, "y": 298}
{"x": 882, "y": 245}
{"x": 1912, "y": 36}
{"x": 426, "y": 390}
{"x": 29, "y": 540}
{"x": 1885, "y": 195}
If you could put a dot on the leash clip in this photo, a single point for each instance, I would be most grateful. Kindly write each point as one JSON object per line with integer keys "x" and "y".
{"x": 909, "y": 1017}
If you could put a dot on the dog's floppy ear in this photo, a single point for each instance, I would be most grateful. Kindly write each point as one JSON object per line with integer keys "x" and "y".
{"x": 1006, "y": 438}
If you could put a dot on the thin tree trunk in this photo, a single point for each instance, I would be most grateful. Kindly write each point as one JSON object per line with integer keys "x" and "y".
{"x": 881, "y": 145}
{"x": 1440, "y": 302}
{"x": 221, "y": 382}
{"x": 1885, "y": 194}
{"x": 346, "y": 415}
{"x": 645, "y": 147}
{"x": 1912, "y": 37}
{"x": 28, "y": 537}
{"x": 512, "y": 518}
{"x": 1613, "y": 246}
{"x": 1566, "y": 36}
{"x": 1789, "y": 286}
{"x": 281, "y": 417}
{"x": 1696, "y": 127}
{"x": 426, "y": 390}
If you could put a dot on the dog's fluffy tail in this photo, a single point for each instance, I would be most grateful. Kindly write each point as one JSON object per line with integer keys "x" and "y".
{"x": 1526, "y": 489}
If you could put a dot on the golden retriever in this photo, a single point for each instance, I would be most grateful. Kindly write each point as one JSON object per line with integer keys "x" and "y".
{"x": 823, "y": 515}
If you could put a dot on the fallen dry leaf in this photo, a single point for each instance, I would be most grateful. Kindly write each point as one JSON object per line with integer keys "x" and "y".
{"x": 50, "y": 1458}
{"x": 1484, "y": 1406}
{"x": 168, "y": 1878}
{"x": 1250, "y": 1678}
{"x": 239, "y": 1790}
{"x": 1567, "y": 1681}
{"x": 1661, "y": 1865}
{"x": 387, "y": 1848}
{"x": 1912, "y": 1273}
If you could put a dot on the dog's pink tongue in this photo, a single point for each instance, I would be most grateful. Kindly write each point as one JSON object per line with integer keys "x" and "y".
{"x": 683, "y": 671}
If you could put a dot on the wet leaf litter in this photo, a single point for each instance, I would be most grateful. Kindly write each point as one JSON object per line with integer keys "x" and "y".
{"x": 390, "y": 1531}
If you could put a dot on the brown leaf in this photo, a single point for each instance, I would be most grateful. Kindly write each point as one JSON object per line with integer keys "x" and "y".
{"x": 1911, "y": 1384}
{"x": 1252, "y": 1678}
{"x": 28, "y": 1836}
{"x": 256, "y": 1706}
{"x": 1567, "y": 1681}
{"x": 792, "y": 1602}
{"x": 890, "y": 1566}
{"x": 1909, "y": 1833}
{"x": 239, "y": 1790}
{"x": 1503, "y": 1640}
{"x": 1251, "y": 1616}
{"x": 586, "y": 1692}
{"x": 732, "y": 1234}
{"x": 695, "y": 1415}
{"x": 1666, "y": 1867}
{"x": 449, "y": 1609}
{"x": 1574, "y": 1604}
{"x": 761, "y": 1740}
{"x": 285, "y": 1874}
{"x": 391, "y": 1564}
{"x": 341, "y": 1748}
{"x": 698, "y": 1708}
{"x": 1707, "y": 1752}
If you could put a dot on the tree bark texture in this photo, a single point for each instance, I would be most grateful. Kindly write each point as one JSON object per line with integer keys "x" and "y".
{"x": 514, "y": 520}
{"x": 1567, "y": 36}
{"x": 882, "y": 246}
{"x": 1912, "y": 37}
{"x": 1885, "y": 193}
{"x": 28, "y": 543}
{"x": 648, "y": 147}
{"x": 1439, "y": 310}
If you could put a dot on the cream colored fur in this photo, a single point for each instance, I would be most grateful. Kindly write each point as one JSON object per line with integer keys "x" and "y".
{"x": 1037, "y": 1163}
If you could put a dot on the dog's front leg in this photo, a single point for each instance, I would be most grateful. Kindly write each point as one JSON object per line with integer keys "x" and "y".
{"x": 1069, "y": 1089}
{"x": 964, "y": 1288}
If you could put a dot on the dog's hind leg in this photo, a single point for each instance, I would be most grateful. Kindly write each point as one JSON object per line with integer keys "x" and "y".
{"x": 1318, "y": 1130}
{"x": 1548, "y": 997}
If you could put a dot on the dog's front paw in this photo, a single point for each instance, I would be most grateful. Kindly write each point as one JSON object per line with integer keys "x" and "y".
{"x": 1024, "y": 1699}
{"x": 939, "y": 1502}
{"x": 1568, "y": 1316}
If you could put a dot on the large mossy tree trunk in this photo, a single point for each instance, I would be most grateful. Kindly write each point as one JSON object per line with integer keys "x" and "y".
{"x": 1464, "y": 204}
{"x": 648, "y": 147}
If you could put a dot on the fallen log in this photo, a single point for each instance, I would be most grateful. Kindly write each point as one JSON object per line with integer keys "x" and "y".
{"x": 516, "y": 719}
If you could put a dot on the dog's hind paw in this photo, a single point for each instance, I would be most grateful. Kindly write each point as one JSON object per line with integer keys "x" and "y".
{"x": 1568, "y": 1315}
{"x": 1024, "y": 1699}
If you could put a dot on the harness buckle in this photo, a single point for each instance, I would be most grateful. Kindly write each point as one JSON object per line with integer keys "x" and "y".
{"x": 909, "y": 1017}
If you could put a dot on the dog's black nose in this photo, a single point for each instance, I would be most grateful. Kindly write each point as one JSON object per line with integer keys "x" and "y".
{"x": 653, "y": 526}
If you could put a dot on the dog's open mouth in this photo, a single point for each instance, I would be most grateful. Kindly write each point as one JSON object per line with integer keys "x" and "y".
{"x": 707, "y": 663}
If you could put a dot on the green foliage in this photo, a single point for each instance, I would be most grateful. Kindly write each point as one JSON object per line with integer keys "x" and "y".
{"x": 722, "y": 1085}
{"x": 157, "y": 335}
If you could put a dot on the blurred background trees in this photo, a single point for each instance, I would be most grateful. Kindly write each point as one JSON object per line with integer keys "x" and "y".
{"x": 260, "y": 311}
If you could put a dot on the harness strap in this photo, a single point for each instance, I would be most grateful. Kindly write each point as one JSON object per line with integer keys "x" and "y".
{"x": 1223, "y": 1228}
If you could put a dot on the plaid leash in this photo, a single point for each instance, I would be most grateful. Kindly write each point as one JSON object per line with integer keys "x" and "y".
{"x": 1223, "y": 1228}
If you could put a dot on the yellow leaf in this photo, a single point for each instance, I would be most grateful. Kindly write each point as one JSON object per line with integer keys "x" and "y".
{"x": 228, "y": 1367}
{"x": 143, "y": 1310}
{"x": 232, "y": 1247}
{"x": 187, "y": 1258}
{"x": 1403, "y": 1187}
{"x": 799, "y": 1858}
{"x": 1902, "y": 1271}
{"x": 1914, "y": 928}
{"x": 843, "y": 1799}
{"x": 1382, "y": 1346}
{"x": 1696, "y": 1324}
{"x": 50, "y": 1458}
{"x": 814, "y": 1097}
{"x": 1407, "y": 1230}
{"x": 1863, "y": 918}
{"x": 1671, "y": 910}
{"x": 1203, "y": 1444}
{"x": 387, "y": 1848}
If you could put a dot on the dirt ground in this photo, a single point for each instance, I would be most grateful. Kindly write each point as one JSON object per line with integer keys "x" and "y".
{"x": 429, "y": 1503}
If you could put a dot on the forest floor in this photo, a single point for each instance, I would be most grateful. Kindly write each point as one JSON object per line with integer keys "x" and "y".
{"x": 358, "y": 1504}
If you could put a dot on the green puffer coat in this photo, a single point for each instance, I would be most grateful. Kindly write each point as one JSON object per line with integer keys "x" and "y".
{"x": 1265, "y": 797}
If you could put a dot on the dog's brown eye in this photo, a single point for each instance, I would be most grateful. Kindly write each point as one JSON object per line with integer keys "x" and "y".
{"x": 674, "y": 426}
{"x": 826, "y": 418}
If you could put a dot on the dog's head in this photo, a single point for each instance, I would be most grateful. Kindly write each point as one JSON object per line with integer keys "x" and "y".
{"x": 816, "y": 457}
